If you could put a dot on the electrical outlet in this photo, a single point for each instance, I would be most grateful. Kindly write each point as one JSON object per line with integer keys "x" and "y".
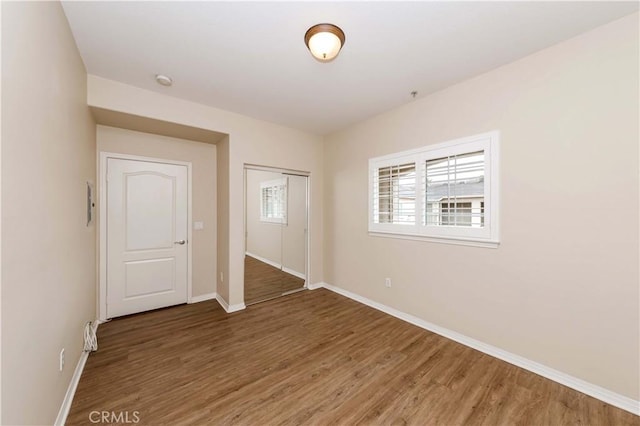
{"x": 221, "y": 277}
{"x": 387, "y": 282}
{"x": 62, "y": 359}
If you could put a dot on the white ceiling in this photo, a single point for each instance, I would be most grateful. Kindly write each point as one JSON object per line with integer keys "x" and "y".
{"x": 250, "y": 58}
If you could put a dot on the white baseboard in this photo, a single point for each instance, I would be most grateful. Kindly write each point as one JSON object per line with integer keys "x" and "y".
{"x": 264, "y": 260}
{"x": 598, "y": 392}
{"x": 73, "y": 384}
{"x": 316, "y": 286}
{"x": 294, "y": 273}
{"x": 277, "y": 265}
{"x": 229, "y": 308}
{"x": 202, "y": 297}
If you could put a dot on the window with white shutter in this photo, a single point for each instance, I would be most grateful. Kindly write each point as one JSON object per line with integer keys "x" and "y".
{"x": 455, "y": 190}
{"x": 395, "y": 194}
{"x": 446, "y": 192}
{"x": 273, "y": 201}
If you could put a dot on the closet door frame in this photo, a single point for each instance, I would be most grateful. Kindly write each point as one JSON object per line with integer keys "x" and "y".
{"x": 284, "y": 172}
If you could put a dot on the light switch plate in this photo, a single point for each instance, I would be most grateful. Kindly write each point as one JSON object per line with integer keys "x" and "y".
{"x": 198, "y": 225}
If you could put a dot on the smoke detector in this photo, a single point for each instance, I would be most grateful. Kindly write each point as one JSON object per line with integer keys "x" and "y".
{"x": 164, "y": 80}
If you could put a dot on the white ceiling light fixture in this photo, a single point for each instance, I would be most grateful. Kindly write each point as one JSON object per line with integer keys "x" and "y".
{"x": 164, "y": 80}
{"x": 324, "y": 41}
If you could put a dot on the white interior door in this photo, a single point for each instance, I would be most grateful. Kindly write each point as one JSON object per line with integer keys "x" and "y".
{"x": 147, "y": 228}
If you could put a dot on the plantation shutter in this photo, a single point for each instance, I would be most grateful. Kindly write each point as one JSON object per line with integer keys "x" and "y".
{"x": 455, "y": 190}
{"x": 273, "y": 201}
{"x": 394, "y": 194}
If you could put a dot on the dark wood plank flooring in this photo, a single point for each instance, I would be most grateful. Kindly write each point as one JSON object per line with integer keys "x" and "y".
{"x": 312, "y": 358}
{"x": 263, "y": 281}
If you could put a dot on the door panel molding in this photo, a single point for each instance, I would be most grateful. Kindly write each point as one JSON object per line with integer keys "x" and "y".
{"x": 103, "y": 157}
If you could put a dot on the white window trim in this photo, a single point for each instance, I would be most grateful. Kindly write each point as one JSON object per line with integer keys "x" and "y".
{"x": 274, "y": 183}
{"x": 488, "y": 236}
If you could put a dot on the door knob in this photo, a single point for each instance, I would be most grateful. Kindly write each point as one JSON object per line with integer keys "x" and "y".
{"x": 181, "y": 242}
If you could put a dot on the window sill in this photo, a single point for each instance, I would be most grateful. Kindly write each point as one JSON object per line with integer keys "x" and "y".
{"x": 442, "y": 240}
{"x": 274, "y": 221}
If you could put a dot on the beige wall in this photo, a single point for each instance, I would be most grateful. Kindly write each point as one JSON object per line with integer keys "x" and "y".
{"x": 223, "y": 218}
{"x": 48, "y": 264}
{"x": 203, "y": 161}
{"x": 250, "y": 141}
{"x": 0, "y": 226}
{"x": 562, "y": 288}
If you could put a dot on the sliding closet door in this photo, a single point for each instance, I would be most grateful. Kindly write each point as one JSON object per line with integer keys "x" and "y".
{"x": 265, "y": 215}
{"x": 294, "y": 234}
{"x": 276, "y": 234}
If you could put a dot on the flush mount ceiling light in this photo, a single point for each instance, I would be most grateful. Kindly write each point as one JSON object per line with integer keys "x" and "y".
{"x": 164, "y": 80}
{"x": 324, "y": 41}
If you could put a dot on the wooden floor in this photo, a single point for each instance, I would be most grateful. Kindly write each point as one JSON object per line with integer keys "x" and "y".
{"x": 314, "y": 358}
{"x": 263, "y": 282}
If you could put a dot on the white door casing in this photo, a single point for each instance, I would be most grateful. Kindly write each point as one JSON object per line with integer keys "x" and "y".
{"x": 146, "y": 224}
